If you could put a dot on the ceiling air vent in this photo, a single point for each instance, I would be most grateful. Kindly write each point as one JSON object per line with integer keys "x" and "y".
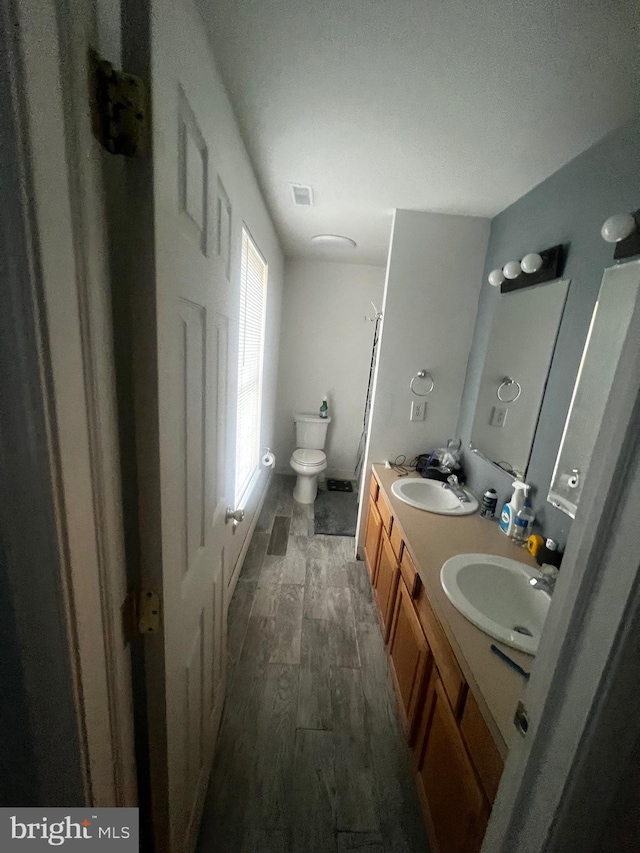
{"x": 302, "y": 196}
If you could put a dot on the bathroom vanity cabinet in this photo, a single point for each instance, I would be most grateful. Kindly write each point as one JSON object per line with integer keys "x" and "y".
{"x": 456, "y": 699}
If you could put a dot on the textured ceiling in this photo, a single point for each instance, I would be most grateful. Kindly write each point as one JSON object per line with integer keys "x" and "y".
{"x": 442, "y": 105}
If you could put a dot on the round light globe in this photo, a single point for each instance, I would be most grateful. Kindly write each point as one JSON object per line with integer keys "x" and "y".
{"x": 496, "y": 278}
{"x": 618, "y": 227}
{"x": 531, "y": 262}
{"x": 512, "y": 269}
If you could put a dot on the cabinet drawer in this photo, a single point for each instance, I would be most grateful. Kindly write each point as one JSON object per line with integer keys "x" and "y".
{"x": 450, "y": 673}
{"x": 374, "y": 488}
{"x": 482, "y": 748}
{"x": 409, "y": 573}
{"x": 396, "y": 541}
{"x": 385, "y": 512}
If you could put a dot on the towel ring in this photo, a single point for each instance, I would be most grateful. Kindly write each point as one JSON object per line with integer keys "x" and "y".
{"x": 505, "y": 384}
{"x": 422, "y": 374}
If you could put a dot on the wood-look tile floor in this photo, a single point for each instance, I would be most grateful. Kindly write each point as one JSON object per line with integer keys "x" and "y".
{"x": 311, "y": 756}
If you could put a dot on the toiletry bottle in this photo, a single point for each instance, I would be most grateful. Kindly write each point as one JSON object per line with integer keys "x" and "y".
{"x": 511, "y": 509}
{"x": 324, "y": 408}
{"x": 535, "y": 543}
{"x": 523, "y": 523}
{"x": 489, "y": 503}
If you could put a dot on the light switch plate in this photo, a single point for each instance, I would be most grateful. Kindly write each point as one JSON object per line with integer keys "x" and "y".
{"x": 418, "y": 411}
{"x": 498, "y": 416}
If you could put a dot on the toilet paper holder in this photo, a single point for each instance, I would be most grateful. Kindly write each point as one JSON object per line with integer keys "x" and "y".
{"x": 268, "y": 459}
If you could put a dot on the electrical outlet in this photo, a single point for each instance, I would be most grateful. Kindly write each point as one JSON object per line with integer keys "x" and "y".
{"x": 498, "y": 416}
{"x": 418, "y": 411}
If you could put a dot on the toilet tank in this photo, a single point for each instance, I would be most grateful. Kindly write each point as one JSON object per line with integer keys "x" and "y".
{"x": 311, "y": 430}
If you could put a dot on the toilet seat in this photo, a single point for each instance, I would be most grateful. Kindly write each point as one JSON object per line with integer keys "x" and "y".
{"x": 308, "y": 458}
{"x": 308, "y": 463}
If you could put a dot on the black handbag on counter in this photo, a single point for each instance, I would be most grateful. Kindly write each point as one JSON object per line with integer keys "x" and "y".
{"x": 431, "y": 470}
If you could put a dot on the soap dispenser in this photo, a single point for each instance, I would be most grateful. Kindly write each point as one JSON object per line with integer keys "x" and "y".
{"x": 510, "y": 510}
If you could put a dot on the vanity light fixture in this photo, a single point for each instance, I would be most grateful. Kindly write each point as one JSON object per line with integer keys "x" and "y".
{"x": 534, "y": 268}
{"x": 512, "y": 270}
{"x": 496, "y": 277}
{"x": 531, "y": 263}
{"x": 618, "y": 227}
{"x": 623, "y": 229}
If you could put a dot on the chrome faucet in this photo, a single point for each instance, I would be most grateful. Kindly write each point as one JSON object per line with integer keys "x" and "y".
{"x": 454, "y": 484}
{"x": 545, "y": 583}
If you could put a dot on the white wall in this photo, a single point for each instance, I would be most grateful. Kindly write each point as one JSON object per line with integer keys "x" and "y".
{"x": 434, "y": 274}
{"x": 325, "y": 346}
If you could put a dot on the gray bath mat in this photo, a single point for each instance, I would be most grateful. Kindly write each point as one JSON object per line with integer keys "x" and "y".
{"x": 335, "y": 513}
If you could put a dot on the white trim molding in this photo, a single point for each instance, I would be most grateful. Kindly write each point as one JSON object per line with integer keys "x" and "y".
{"x": 69, "y": 286}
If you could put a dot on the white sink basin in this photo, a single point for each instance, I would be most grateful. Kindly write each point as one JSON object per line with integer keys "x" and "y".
{"x": 494, "y": 593}
{"x": 433, "y": 496}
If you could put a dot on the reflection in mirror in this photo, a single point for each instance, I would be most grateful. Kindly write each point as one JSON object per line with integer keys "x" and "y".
{"x": 607, "y": 332}
{"x": 523, "y": 336}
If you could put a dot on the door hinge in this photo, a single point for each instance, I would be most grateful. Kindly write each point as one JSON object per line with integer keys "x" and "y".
{"x": 141, "y": 613}
{"x": 119, "y": 113}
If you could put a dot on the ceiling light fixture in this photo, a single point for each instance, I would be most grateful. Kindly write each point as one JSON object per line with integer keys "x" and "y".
{"x": 333, "y": 241}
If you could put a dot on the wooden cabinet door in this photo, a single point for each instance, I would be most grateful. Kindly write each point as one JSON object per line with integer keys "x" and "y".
{"x": 372, "y": 539}
{"x": 482, "y": 748}
{"x": 410, "y": 657}
{"x": 457, "y": 811}
{"x": 386, "y": 584}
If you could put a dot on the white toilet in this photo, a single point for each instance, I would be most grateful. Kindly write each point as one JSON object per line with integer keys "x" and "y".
{"x": 308, "y": 459}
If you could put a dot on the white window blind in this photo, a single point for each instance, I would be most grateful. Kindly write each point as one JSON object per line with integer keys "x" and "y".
{"x": 253, "y": 291}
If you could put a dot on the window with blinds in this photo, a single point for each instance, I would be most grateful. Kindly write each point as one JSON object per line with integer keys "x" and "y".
{"x": 253, "y": 297}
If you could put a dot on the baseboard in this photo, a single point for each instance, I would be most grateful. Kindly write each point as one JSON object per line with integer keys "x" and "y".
{"x": 245, "y": 547}
{"x": 335, "y": 474}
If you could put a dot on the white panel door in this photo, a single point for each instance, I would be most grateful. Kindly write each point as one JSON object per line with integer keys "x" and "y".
{"x": 192, "y": 223}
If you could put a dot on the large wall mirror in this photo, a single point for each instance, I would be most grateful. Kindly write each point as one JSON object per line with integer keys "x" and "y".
{"x": 607, "y": 332}
{"x": 523, "y": 337}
